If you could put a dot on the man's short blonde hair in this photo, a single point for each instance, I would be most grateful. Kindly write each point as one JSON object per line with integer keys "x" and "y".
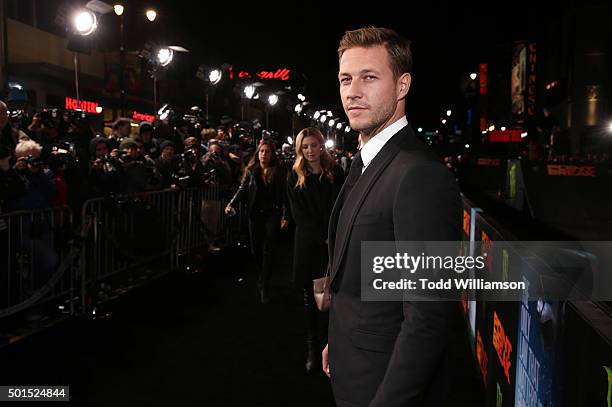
{"x": 397, "y": 46}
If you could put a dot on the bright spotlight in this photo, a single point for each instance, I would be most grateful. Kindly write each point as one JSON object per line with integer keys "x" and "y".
{"x": 524, "y": 134}
{"x": 289, "y": 140}
{"x": 329, "y": 144}
{"x": 249, "y": 91}
{"x": 118, "y": 9}
{"x": 503, "y": 128}
{"x": 473, "y": 76}
{"x": 467, "y": 146}
{"x": 151, "y": 15}
{"x": 331, "y": 123}
{"x": 316, "y": 115}
{"x": 301, "y": 97}
{"x": 347, "y": 129}
{"x": 215, "y": 76}
{"x": 323, "y": 119}
{"x": 492, "y": 127}
{"x": 164, "y": 56}
{"x": 272, "y": 99}
{"x": 449, "y": 113}
{"x": 85, "y": 22}
{"x": 443, "y": 121}
{"x": 298, "y": 108}
{"x": 610, "y": 127}
{"x": 339, "y": 126}
{"x": 420, "y": 130}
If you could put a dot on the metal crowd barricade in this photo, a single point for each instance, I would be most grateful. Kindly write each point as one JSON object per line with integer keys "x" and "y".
{"x": 38, "y": 258}
{"x": 43, "y": 259}
{"x": 130, "y": 231}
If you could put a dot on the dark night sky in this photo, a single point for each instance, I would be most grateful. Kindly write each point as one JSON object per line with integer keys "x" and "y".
{"x": 449, "y": 39}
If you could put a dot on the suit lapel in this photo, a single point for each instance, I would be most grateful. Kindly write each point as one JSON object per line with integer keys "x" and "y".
{"x": 356, "y": 197}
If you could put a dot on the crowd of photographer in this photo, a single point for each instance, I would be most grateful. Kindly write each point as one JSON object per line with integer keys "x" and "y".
{"x": 56, "y": 158}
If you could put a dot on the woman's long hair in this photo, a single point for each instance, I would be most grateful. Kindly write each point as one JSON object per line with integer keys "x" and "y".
{"x": 254, "y": 164}
{"x": 300, "y": 166}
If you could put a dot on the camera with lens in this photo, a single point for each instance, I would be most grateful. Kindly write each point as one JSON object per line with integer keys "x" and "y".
{"x": 190, "y": 154}
{"x": 34, "y": 161}
{"x": 63, "y": 155}
{"x": 49, "y": 117}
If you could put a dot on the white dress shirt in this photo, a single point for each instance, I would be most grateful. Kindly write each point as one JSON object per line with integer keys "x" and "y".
{"x": 376, "y": 143}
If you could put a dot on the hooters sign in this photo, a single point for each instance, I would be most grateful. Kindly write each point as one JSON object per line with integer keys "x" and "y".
{"x": 83, "y": 105}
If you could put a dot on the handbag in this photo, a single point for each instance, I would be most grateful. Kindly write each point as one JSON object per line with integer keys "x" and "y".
{"x": 321, "y": 291}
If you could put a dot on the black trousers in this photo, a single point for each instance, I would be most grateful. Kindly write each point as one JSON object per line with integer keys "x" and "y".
{"x": 315, "y": 261}
{"x": 264, "y": 231}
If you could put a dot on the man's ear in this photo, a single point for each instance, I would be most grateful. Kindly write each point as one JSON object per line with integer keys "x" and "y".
{"x": 404, "y": 85}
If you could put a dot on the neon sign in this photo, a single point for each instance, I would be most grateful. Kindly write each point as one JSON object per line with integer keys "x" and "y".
{"x": 483, "y": 79}
{"x": 571, "y": 170}
{"x": 84, "y": 105}
{"x": 502, "y": 345}
{"x": 507, "y": 136}
{"x": 282, "y": 74}
{"x": 143, "y": 117}
{"x": 531, "y": 79}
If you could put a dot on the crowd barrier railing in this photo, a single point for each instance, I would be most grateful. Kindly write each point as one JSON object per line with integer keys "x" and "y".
{"x": 38, "y": 256}
{"x": 45, "y": 257}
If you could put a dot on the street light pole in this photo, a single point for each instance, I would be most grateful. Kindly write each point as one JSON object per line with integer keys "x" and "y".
{"x": 76, "y": 78}
{"x": 122, "y": 67}
{"x": 154, "y": 93}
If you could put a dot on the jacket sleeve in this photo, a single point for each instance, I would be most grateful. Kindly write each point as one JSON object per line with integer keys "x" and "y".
{"x": 426, "y": 208}
{"x": 242, "y": 190}
{"x": 296, "y": 206}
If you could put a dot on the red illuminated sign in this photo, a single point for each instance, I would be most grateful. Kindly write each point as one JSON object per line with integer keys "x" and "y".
{"x": 143, "y": 117}
{"x": 481, "y": 356}
{"x": 507, "y": 136}
{"x": 531, "y": 79}
{"x": 282, "y": 74}
{"x": 483, "y": 124}
{"x": 483, "y": 78}
{"x": 488, "y": 162}
{"x": 84, "y": 105}
{"x": 502, "y": 345}
{"x": 571, "y": 170}
{"x": 487, "y": 249}
{"x": 466, "y": 223}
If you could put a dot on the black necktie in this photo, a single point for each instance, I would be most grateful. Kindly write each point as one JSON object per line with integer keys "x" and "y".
{"x": 354, "y": 174}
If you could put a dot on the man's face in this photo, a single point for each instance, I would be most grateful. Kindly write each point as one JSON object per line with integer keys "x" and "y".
{"x": 125, "y": 130}
{"x": 167, "y": 153}
{"x": 216, "y": 149}
{"x": 101, "y": 150}
{"x": 3, "y": 116}
{"x": 370, "y": 93}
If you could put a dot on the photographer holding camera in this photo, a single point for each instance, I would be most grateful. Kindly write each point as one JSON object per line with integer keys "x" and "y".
{"x": 39, "y": 186}
{"x": 216, "y": 168}
{"x": 167, "y": 164}
{"x": 140, "y": 171}
{"x": 105, "y": 171}
{"x": 191, "y": 170}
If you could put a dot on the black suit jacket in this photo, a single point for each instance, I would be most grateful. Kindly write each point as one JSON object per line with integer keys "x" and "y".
{"x": 387, "y": 353}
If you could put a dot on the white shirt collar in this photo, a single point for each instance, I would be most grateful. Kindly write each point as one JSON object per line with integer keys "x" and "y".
{"x": 376, "y": 143}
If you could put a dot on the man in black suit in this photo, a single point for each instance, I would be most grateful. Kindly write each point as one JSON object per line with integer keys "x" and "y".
{"x": 385, "y": 353}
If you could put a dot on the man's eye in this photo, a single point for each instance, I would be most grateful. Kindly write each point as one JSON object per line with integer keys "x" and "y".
{"x": 370, "y": 77}
{"x": 345, "y": 80}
